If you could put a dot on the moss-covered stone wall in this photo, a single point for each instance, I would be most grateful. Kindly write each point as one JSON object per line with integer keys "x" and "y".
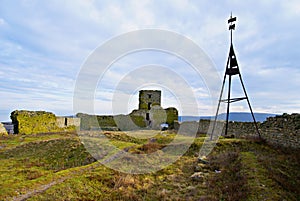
{"x": 88, "y": 122}
{"x": 157, "y": 116}
{"x": 2, "y": 130}
{"x": 149, "y": 98}
{"x": 109, "y": 122}
{"x": 130, "y": 122}
{"x": 64, "y": 122}
{"x": 282, "y": 130}
{"x": 172, "y": 116}
{"x": 32, "y": 122}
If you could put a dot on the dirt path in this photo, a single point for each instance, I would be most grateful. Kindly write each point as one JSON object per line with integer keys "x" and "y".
{"x": 262, "y": 187}
{"x": 45, "y": 187}
{"x": 39, "y": 190}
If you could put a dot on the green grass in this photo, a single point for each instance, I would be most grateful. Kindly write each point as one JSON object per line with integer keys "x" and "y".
{"x": 10, "y": 141}
{"x": 253, "y": 170}
{"x": 261, "y": 186}
{"x": 58, "y": 167}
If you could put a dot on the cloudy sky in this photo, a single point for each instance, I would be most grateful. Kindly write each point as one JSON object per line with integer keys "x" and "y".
{"x": 44, "y": 44}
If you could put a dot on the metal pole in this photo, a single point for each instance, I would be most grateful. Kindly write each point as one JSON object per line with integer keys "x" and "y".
{"x": 217, "y": 112}
{"x": 249, "y": 106}
{"x": 228, "y": 104}
{"x": 220, "y": 98}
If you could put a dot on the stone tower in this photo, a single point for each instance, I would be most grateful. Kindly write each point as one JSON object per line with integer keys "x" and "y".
{"x": 149, "y": 98}
{"x": 152, "y": 112}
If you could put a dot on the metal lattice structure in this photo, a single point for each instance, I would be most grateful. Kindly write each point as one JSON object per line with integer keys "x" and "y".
{"x": 232, "y": 69}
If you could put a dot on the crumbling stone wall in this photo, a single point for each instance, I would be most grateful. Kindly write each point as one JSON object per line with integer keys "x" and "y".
{"x": 149, "y": 98}
{"x": 109, "y": 122}
{"x": 129, "y": 122}
{"x": 88, "y": 122}
{"x": 152, "y": 112}
{"x": 157, "y": 116}
{"x": 32, "y": 122}
{"x": 149, "y": 115}
{"x": 238, "y": 129}
{"x": 172, "y": 116}
{"x": 64, "y": 122}
{"x": 282, "y": 130}
{"x": 2, "y": 130}
{"x": 135, "y": 120}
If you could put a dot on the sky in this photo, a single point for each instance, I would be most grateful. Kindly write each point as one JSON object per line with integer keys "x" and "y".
{"x": 45, "y": 44}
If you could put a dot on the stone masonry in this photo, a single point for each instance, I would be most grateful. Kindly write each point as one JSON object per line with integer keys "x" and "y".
{"x": 282, "y": 130}
{"x": 152, "y": 112}
{"x": 67, "y": 121}
{"x": 149, "y": 98}
{"x": 32, "y": 122}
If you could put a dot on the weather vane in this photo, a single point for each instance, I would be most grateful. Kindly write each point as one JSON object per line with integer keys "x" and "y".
{"x": 232, "y": 68}
{"x": 231, "y": 26}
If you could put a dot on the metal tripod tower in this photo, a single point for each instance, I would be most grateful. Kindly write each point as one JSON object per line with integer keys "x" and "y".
{"x": 232, "y": 69}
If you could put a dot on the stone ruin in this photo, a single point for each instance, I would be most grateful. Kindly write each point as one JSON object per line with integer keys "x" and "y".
{"x": 29, "y": 122}
{"x": 64, "y": 122}
{"x": 281, "y": 130}
{"x": 149, "y": 115}
{"x": 152, "y": 112}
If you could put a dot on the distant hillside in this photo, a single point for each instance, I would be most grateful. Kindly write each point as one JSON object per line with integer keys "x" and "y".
{"x": 233, "y": 116}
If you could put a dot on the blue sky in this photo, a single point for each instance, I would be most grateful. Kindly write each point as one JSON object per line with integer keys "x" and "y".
{"x": 43, "y": 45}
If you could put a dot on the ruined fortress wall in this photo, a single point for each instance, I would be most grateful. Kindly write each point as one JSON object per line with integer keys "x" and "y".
{"x": 109, "y": 122}
{"x": 149, "y": 98}
{"x": 157, "y": 115}
{"x": 135, "y": 120}
{"x": 237, "y": 129}
{"x": 64, "y": 122}
{"x": 282, "y": 130}
{"x": 172, "y": 116}
{"x": 32, "y": 122}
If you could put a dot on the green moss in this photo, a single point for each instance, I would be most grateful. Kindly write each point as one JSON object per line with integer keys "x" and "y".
{"x": 95, "y": 122}
{"x": 29, "y": 122}
{"x": 138, "y": 121}
{"x": 106, "y": 121}
{"x": 87, "y": 122}
{"x": 249, "y": 170}
{"x": 172, "y": 115}
{"x": 123, "y": 122}
{"x": 143, "y": 106}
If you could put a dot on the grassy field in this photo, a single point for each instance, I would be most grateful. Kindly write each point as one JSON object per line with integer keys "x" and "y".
{"x": 58, "y": 167}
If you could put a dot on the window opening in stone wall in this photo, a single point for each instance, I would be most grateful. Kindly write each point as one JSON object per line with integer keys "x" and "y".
{"x": 149, "y": 95}
{"x": 147, "y": 116}
{"x": 149, "y": 106}
{"x": 66, "y": 121}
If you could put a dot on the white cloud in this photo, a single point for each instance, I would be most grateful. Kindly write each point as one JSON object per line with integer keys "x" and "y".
{"x": 2, "y": 21}
{"x": 44, "y": 44}
{"x": 292, "y": 8}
